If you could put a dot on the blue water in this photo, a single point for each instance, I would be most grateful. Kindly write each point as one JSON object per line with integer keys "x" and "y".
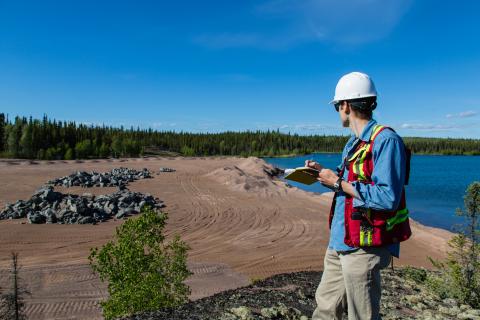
{"x": 436, "y": 189}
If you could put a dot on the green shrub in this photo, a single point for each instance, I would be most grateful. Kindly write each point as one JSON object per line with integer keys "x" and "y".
{"x": 143, "y": 272}
{"x": 255, "y": 280}
{"x": 460, "y": 273}
{"x": 417, "y": 275}
{"x": 84, "y": 149}
{"x": 187, "y": 151}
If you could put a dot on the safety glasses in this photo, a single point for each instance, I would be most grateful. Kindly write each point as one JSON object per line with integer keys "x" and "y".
{"x": 337, "y": 105}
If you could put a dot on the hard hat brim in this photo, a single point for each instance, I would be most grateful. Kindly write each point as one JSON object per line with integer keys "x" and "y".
{"x": 353, "y": 98}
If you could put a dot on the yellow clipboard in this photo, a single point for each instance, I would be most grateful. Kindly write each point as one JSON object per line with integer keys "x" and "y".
{"x": 303, "y": 175}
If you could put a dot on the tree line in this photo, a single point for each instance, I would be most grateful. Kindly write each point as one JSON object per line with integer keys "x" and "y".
{"x": 49, "y": 139}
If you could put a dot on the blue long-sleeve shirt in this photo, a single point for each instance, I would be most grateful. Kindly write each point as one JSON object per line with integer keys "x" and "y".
{"x": 389, "y": 171}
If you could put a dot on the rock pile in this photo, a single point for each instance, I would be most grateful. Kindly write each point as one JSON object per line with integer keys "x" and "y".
{"x": 116, "y": 177}
{"x": 273, "y": 171}
{"x": 49, "y": 206}
{"x": 163, "y": 169}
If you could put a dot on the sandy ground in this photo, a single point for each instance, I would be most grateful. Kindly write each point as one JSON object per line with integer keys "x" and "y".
{"x": 239, "y": 222}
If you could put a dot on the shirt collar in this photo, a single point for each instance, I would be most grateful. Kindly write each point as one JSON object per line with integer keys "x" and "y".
{"x": 367, "y": 131}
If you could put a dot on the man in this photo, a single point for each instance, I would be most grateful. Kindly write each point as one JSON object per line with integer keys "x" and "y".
{"x": 369, "y": 217}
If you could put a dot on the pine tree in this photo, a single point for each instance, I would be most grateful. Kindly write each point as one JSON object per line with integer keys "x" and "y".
{"x": 26, "y": 142}
{"x": 117, "y": 146}
{"x": 13, "y": 139}
{"x": 2, "y": 132}
{"x": 12, "y": 305}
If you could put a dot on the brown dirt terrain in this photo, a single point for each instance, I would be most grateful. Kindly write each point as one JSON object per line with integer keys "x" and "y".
{"x": 240, "y": 224}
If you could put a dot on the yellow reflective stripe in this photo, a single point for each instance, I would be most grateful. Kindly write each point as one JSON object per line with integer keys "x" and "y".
{"x": 369, "y": 238}
{"x": 358, "y": 152}
{"x": 399, "y": 217}
{"x": 360, "y": 155}
{"x": 362, "y": 234}
{"x": 361, "y": 158}
{"x": 377, "y": 128}
{"x": 359, "y": 166}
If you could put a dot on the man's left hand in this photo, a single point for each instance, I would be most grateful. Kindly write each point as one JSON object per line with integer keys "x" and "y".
{"x": 327, "y": 177}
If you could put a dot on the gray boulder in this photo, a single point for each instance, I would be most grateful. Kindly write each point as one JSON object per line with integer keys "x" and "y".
{"x": 35, "y": 217}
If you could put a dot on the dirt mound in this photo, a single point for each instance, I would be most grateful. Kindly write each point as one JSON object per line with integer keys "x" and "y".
{"x": 250, "y": 175}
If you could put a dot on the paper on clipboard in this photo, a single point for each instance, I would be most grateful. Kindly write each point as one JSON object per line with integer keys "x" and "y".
{"x": 303, "y": 175}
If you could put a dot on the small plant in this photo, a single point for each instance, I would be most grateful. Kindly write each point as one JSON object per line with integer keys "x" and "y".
{"x": 255, "y": 280}
{"x": 143, "y": 272}
{"x": 12, "y": 306}
{"x": 460, "y": 272}
{"x": 417, "y": 275}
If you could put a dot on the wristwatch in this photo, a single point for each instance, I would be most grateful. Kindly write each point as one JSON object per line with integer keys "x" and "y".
{"x": 337, "y": 186}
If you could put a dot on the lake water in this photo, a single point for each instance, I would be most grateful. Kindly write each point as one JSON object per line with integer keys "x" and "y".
{"x": 437, "y": 184}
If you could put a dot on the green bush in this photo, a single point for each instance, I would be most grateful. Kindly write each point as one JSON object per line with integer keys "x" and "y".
{"x": 460, "y": 273}
{"x": 187, "y": 151}
{"x": 143, "y": 272}
{"x": 69, "y": 154}
{"x": 84, "y": 149}
{"x": 418, "y": 275}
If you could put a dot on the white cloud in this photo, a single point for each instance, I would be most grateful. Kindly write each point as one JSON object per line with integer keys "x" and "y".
{"x": 353, "y": 21}
{"x": 465, "y": 114}
{"x": 163, "y": 124}
{"x": 432, "y": 127}
{"x": 337, "y": 21}
{"x": 309, "y": 127}
{"x": 304, "y": 128}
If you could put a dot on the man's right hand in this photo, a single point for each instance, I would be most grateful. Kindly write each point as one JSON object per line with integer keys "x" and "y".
{"x": 314, "y": 165}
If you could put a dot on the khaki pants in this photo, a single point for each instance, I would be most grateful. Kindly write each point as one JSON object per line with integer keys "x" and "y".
{"x": 352, "y": 279}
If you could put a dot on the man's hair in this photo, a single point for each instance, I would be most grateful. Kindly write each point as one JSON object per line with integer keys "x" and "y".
{"x": 364, "y": 106}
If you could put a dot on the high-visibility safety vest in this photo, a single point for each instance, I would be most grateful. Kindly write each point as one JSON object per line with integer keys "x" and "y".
{"x": 369, "y": 227}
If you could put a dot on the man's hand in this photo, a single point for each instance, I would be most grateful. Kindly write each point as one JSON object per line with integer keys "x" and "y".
{"x": 327, "y": 177}
{"x": 314, "y": 165}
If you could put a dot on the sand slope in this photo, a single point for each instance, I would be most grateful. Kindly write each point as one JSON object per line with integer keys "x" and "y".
{"x": 239, "y": 222}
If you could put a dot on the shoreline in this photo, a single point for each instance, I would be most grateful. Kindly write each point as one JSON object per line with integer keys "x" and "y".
{"x": 17, "y": 161}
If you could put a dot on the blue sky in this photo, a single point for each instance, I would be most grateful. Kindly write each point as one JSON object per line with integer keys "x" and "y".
{"x": 209, "y": 66}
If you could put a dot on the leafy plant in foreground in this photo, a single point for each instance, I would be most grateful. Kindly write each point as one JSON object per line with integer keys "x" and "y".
{"x": 144, "y": 273}
{"x": 460, "y": 272}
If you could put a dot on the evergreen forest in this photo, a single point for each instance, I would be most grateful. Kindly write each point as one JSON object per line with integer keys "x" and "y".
{"x": 48, "y": 139}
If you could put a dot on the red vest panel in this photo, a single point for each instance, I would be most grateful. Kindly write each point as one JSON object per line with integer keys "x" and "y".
{"x": 368, "y": 227}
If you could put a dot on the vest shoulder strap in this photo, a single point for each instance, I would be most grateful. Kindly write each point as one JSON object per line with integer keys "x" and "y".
{"x": 376, "y": 131}
{"x": 365, "y": 146}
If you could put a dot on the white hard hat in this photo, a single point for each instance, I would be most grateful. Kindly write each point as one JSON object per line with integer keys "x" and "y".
{"x": 354, "y": 85}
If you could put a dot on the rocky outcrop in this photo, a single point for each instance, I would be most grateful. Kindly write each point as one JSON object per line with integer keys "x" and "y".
{"x": 292, "y": 296}
{"x": 49, "y": 206}
{"x": 116, "y": 177}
